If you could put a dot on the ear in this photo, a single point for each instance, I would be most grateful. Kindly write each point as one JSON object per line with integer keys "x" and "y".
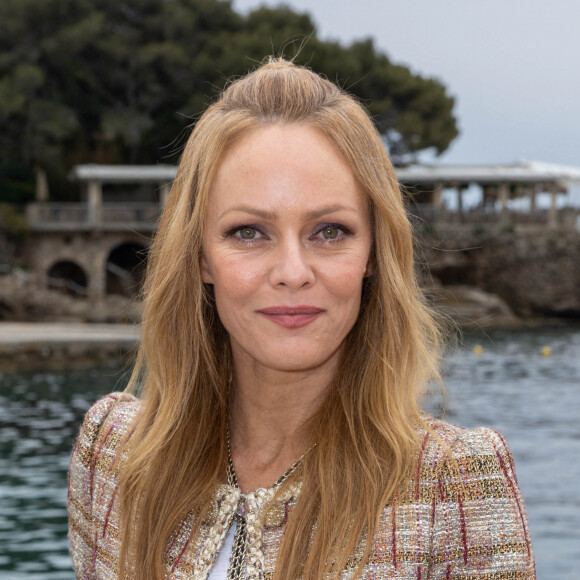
{"x": 206, "y": 275}
{"x": 370, "y": 268}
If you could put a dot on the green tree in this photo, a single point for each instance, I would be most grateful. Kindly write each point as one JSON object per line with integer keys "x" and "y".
{"x": 412, "y": 113}
{"x": 120, "y": 81}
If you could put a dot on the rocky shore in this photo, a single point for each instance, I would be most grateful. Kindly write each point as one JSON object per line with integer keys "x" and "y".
{"x": 24, "y": 299}
{"x": 60, "y": 331}
{"x": 46, "y": 330}
{"x": 535, "y": 271}
{"x": 475, "y": 279}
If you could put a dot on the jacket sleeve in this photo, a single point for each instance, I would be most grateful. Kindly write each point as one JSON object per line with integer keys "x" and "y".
{"x": 480, "y": 525}
{"x": 82, "y": 529}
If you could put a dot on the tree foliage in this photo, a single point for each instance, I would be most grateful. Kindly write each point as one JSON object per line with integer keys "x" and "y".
{"x": 120, "y": 81}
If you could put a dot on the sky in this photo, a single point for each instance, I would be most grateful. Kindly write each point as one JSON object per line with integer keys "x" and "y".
{"x": 512, "y": 66}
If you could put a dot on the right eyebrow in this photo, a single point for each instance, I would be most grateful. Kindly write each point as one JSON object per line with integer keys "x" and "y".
{"x": 264, "y": 214}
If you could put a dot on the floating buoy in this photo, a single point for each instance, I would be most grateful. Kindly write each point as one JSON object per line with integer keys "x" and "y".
{"x": 477, "y": 349}
{"x": 547, "y": 350}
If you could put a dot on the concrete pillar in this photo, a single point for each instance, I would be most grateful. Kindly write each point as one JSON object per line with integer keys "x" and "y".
{"x": 503, "y": 196}
{"x": 459, "y": 189}
{"x": 95, "y": 207}
{"x": 438, "y": 195}
{"x": 41, "y": 190}
{"x": 164, "y": 190}
{"x": 553, "y": 212}
{"x": 437, "y": 207}
{"x": 533, "y": 192}
{"x": 487, "y": 193}
{"x": 97, "y": 277}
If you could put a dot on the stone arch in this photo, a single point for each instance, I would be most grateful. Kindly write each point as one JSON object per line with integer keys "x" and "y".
{"x": 68, "y": 277}
{"x": 125, "y": 268}
{"x": 6, "y": 311}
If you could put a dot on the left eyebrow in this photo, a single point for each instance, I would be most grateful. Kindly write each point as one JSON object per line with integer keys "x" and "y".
{"x": 317, "y": 213}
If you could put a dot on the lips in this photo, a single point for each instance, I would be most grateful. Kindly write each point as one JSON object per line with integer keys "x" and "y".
{"x": 292, "y": 316}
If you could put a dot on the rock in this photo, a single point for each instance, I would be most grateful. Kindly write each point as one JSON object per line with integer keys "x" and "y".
{"x": 21, "y": 299}
{"x": 469, "y": 307}
{"x": 536, "y": 272}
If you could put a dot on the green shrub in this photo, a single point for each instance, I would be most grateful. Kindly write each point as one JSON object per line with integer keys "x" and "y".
{"x": 12, "y": 222}
{"x": 508, "y": 229}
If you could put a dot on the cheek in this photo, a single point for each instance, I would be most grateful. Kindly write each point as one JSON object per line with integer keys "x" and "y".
{"x": 230, "y": 268}
{"x": 235, "y": 280}
{"x": 239, "y": 274}
{"x": 345, "y": 280}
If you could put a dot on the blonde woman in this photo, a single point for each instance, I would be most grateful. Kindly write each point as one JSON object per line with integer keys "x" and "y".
{"x": 285, "y": 348}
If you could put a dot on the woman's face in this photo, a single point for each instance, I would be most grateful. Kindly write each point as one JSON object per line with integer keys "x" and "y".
{"x": 286, "y": 246}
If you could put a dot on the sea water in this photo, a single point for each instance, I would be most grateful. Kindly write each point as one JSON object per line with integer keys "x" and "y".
{"x": 526, "y": 384}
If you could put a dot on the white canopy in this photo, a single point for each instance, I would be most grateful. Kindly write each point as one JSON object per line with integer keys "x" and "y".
{"x": 520, "y": 172}
{"x": 124, "y": 173}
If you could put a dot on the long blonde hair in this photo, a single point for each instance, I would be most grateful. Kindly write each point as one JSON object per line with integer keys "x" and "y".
{"x": 367, "y": 428}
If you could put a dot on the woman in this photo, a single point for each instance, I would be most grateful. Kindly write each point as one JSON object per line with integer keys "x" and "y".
{"x": 285, "y": 349}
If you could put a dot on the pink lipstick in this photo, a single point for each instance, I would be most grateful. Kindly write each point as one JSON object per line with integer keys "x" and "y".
{"x": 291, "y": 316}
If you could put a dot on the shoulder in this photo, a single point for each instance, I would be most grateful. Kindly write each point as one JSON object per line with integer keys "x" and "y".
{"x": 453, "y": 461}
{"x": 462, "y": 515}
{"x": 476, "y": 450}
{"x": 119, "y": 409}
{"x": 114, "y": 414}
{"x": 93, "y": 473}
{"x": 105, "y": 426}
{"x": 477, "y": 507}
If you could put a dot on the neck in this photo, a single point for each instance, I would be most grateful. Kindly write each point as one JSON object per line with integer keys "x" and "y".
{"x": 269, "y": 415}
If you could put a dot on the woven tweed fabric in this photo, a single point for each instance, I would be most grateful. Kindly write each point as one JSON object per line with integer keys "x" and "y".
{"x": 461, "y": 518}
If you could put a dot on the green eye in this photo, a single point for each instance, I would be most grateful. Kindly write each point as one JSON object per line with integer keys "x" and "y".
{"x": 330, "y": 233}
{"x": 247, "y": 233}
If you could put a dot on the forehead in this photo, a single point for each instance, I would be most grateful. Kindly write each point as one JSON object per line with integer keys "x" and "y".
{"x": 285, "y": 165}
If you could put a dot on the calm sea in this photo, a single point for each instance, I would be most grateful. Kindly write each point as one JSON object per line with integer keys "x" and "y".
{"x": 501, "y": 379}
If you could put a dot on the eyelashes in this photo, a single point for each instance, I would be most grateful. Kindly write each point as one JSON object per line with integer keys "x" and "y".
{"x": 332, "y": 232}
{"x": 326, "y": 233}
{"x": 249, "y": 234}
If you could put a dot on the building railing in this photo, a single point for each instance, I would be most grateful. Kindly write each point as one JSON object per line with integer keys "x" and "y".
{"x": 566, "y": 217}
{"x": 82, "y": 216}
{"x": 61, "y": 213}
{"x": 145, "y": 216}
{"x": 131, "y": 213}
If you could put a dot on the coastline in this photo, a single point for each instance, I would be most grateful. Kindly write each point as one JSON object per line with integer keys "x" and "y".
{"x": 34, "y": 346}
{"x": 46, "y": 346}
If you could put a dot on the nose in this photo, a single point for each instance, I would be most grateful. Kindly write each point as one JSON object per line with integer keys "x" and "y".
{"x": 291, "y": 266}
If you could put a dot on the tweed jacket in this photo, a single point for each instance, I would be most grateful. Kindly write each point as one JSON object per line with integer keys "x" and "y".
{"x": 461, "y": 518}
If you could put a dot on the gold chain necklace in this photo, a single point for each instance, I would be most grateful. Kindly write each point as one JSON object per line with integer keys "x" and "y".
{"x": 237, "y": 559}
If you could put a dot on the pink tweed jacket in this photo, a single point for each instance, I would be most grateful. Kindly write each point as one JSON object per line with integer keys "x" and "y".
{"x": 461, "y": 518}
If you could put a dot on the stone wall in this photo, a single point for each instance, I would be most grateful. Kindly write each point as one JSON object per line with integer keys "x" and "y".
{"x": 473, "y": 275}
{"x": 535, "y": 271}
{"x": 89, "y": 250}
{"x": 24, "y": 298}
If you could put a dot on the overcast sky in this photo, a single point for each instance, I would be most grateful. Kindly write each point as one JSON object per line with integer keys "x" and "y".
{"x": 512, "y": 65}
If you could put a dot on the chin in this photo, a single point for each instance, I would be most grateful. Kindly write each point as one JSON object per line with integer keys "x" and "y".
{"x": 287, "y": 362}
